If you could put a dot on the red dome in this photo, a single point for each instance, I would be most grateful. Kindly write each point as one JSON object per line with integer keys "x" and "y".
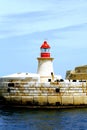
{"x": 45, "y": 45}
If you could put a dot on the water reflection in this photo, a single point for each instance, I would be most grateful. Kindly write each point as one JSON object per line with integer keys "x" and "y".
{"x": 31, "y": 119}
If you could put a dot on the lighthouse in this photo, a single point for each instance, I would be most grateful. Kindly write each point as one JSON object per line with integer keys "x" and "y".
{"x": 45, "y": 63}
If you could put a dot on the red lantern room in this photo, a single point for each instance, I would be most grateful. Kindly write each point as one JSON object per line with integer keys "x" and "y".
{"x": 45, "y": 50}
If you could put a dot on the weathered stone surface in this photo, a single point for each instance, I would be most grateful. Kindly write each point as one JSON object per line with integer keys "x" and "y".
{"x": 40, "y": 100}
{"x": 78, "y": 100}
{"x": 67, "y": 100}
{"x": 27, "y": 99}
{"x": 15, "y": 99}
{"x": 52, "y": 100}
{"x": 26, "y": 93}
{"x": 79, "y": 73}
{"x": 85, "y": 100}
{"x": 7, "y": 98}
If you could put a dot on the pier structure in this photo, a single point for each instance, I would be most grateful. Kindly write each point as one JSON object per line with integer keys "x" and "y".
{"x": 44, "y": 89}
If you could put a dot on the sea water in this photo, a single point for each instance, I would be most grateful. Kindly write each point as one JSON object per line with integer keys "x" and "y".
{"x": 46, "y": 119}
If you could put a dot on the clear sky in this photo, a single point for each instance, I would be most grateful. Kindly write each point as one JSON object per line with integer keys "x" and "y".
{"x": 25, "y": 24}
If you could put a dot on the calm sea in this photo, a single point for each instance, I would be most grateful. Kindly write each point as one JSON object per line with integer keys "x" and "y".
{"x": 28, "y": 119}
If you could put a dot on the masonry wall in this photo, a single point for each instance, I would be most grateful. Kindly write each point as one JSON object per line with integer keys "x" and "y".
{"x": 23, "y": 92}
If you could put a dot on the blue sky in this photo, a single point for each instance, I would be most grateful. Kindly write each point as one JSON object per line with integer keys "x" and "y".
{"x": 25, "y": 24}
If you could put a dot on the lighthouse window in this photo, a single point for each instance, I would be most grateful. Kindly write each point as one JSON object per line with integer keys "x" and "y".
{"x": 45, "y": 50}
{"x": 48, "y": 50}
{"x": 42, "y": 50}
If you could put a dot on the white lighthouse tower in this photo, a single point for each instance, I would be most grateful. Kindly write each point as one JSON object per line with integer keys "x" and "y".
{"x": 45, "y": 65}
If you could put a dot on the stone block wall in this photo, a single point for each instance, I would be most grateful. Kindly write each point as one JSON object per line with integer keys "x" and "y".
{"x": 43, "y": 94}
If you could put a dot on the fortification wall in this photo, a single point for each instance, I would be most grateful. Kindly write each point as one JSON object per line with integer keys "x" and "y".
{"x": 20, "y": 92}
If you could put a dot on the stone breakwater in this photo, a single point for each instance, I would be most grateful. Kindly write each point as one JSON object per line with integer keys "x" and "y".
{"x": 22, "y": 92}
